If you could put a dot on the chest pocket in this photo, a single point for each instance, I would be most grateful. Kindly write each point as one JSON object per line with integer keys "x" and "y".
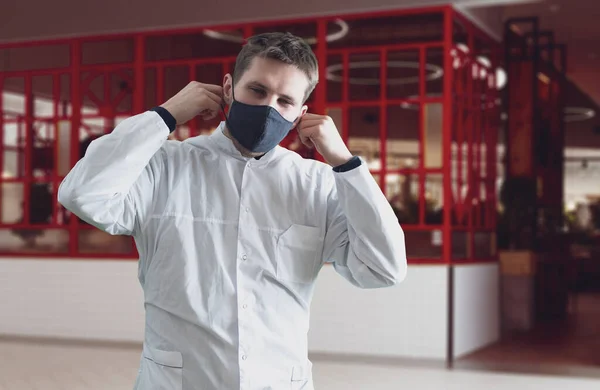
{"x": 299, "y": 250}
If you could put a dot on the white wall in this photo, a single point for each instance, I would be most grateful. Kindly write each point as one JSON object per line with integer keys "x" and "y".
{"x": 476, "y": 307}
{"x": 102, "y": 300}
{"x": 79, "y": 299}
{"x": 409, "y": 320}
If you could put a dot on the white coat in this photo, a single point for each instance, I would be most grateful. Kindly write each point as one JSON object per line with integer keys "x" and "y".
{"x": 230, "y": 248}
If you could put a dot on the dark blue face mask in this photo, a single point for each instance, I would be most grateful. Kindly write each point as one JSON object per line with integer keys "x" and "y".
{"x": 257, "y": 128}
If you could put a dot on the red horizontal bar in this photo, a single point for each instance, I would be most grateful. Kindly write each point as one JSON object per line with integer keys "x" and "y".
{"x": 107, "y": 67}
{"x": 375, "y": 49}
{"x": 188, "y": 62}
{"x": 35, "y": 72}
{"x": 409, "y": 171}
{"x": 378, "y": 102}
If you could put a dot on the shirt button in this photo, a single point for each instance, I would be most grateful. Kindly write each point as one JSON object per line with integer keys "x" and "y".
{"x": 244, "y": 357}
{"x": 245, "y": 306}
{"x": 244, "y": 257}
{"x": 247, "y": 209}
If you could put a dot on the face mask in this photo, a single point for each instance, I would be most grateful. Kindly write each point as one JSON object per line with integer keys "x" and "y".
{"x": 257, "y": 128}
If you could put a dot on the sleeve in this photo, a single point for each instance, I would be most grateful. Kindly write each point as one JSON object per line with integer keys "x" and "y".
{"x": 364, "y": 240}
{"x": 112, "y": 187}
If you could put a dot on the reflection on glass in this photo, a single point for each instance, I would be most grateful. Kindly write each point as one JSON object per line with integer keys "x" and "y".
{"x": 12, "y": 203}
{"x": 424, "y": 245}
{"x": 402, "y": 192}
{"x": 434, "y": 85}
{"x": 434, "y": 199}
{"x": 483, "y": 245}
{"x": 403, "y": 74}
{"x": 96, "y": 241}
{"x": 460, "y": 245}
{"x": 364, "y": 76}
{"x": 402, "y": 137}
{"x": 433, "y": 124}
{"x": 335, "y": 74}
{"x": 40, "y": 241}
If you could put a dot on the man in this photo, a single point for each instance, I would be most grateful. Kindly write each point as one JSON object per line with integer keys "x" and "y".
{"x": 232, "y": 229}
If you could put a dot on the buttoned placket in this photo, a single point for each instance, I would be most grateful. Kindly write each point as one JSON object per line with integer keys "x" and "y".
{"x": 242, "y": 294}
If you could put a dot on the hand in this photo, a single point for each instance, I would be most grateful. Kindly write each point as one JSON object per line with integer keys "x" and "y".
{"x": 195, "y": 99}
{"x": 320, "y": 132}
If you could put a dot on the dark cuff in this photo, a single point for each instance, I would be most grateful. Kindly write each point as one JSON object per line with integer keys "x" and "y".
{"x": 167, "y": 117}
{"x": 354, "y": 162}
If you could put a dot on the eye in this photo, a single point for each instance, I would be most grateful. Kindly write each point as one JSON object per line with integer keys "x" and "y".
{"x": 284, "y": 102}
{"x": 257, "y": 91}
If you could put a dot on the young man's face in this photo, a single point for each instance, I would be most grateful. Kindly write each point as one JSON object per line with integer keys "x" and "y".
{"x": 270, "y": 83}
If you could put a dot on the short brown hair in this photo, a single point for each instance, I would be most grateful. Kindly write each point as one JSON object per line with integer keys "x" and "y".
{"x": 284, "y": 47}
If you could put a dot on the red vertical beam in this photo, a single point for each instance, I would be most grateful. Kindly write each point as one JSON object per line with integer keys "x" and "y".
{"x": 193, "y": 123}
{"x": 28, "y": 148}
{"x": 55, "y": 122}
{"x": 107, "y": 110}
{"x": 160, "y": 84}
{"x": 138, "y": 74}
{"x": 422, "y": 135}
{"x": 345, "y": 97}
{"x": 75, "y": 125}
{"x": 320, "y": 101}
{"x": 447, "y": 138}
{"x": 383, "y": 121}
{"x": 1, "y": 140}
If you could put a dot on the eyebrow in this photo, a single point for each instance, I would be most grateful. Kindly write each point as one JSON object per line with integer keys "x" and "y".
{"x": 260, "y": 85}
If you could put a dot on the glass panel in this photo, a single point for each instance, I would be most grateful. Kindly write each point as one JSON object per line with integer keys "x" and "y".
{"x": 119, "y": 50}
{"x": 42, "y": 241}
{"x": 66, "y": 106}
{"x": 91, "y": 240}
{"x": 335, "y": 74}
{"x": 13, "y": 98}
{"x": 205, "y": 44}
{"x": 433, "y": 125}
{"x": 12, "y": 203}
{"x": 364, "y": 80}
{"x": 175, "y": 78}
{"x": 402, "y": 137}
{"x": 150, "y": 98}
{"x": 363, "y": 135}
{"x": 423, "y": 245}
{"x": 434, "y": 199}
{"x": 36, "y": 57}
{"x": 387, "y": 30}
{"x": 43, "y": 96}
{"x": 460, "y": 245}
{"x": 403, "y": 74}
{"x": 63, "y": 130}
{"x": 434, "y": 70}
{"x": 41, "y": 203}
{"x": 121, "y": 91}
{"x": 308, "y": 31}
{"x": 402, "y": 191}
{"x": 483, "y": 245}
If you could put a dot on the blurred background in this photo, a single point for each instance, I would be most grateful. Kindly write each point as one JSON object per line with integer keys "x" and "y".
{"x": 479, "y": 119}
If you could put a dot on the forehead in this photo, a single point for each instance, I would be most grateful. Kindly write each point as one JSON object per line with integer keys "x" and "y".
{"x": 279, "y": 77}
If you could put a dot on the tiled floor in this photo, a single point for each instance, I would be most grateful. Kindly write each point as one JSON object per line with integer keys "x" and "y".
{"x": 570, "y": 347}
{"x": 53, "y": 366}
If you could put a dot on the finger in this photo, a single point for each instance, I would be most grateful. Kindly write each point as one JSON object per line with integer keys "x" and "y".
{"x": 305, "y": 139}
{"x": 218, "y": 99}
{"x": 305, "y": 123}
{"x": 216, "y": 89}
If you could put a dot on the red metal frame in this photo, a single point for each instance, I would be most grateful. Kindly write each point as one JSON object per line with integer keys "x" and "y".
{"x": 479, "y": 127}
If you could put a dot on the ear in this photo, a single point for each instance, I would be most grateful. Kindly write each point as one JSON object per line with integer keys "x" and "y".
{"x": 228, "y": 89}
{"x": 303, "y": 111}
